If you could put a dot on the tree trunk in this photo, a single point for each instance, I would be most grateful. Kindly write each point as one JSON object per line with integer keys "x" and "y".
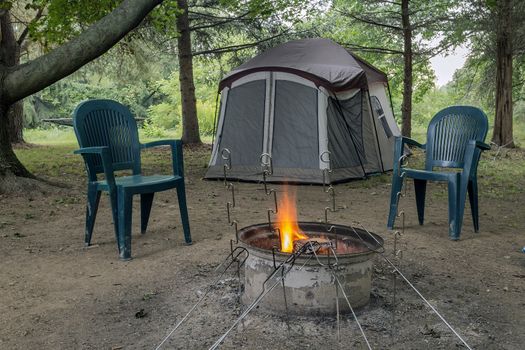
{"x": 502, "y": 135}
{"x": 19, "y": 81}
{"x": 406, "y": 107}
{"x": 190, "y": 123}
{"x": 16, "y": 122}
{"x": 9, "y": 163}
{"x": 11, "y": 58}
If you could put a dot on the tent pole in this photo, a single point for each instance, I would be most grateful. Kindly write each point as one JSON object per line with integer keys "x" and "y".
{"x": 375, "y": 130}
{"x": 215, "y": 121}
{"x": 390, "y": 98}
{"x": 340, "y": 109}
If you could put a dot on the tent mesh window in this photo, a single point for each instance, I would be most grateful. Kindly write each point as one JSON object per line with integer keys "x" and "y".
{"x": 295, "y": 128}
{"x": 345, "y": 132}
{"x": 243, "y": 127}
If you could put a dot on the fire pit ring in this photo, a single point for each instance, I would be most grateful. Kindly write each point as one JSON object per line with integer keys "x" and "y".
{"x": 310, "y": 290}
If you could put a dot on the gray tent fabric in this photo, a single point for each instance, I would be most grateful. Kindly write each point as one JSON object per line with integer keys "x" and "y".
{"x": 320, "y": 60}
{"x": 297, "y": 102}
{"x": 244, "y": 136}
{"x": 291, "y": 133}
{"x": 345, "y": 132}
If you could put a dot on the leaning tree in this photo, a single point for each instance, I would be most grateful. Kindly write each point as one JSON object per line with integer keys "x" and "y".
{"x": 21, "y": 80}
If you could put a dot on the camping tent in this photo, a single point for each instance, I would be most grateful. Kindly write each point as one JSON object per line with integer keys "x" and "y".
{"x": 303, "y": 102}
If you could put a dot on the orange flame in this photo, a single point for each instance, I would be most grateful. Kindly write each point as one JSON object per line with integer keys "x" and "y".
{"x": 287, "y": 221}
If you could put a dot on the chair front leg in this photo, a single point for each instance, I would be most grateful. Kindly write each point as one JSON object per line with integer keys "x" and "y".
{"x": 453, "y": 207}
{"x": 146, "y": 200}
{"x": 125, "y": 207}
{"x": 91, "y": 211}
{"x": 181, "y": 194}
{"x": 473, "y": 199}
{"x": 113, "y": 201}
{"x": 420, "y": 187}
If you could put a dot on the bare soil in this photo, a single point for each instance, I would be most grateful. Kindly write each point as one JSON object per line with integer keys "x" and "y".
{"x": 57, "y": 294}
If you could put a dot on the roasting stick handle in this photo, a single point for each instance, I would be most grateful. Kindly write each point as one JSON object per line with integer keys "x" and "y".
{"x": 243, "y": 315}
{"x": 234, "y": 258}
{"x": 415, "y": 289}
{"x": 264, "y": 292}
{"x": 427, "y": 302}
{"x": 352, "y": 309}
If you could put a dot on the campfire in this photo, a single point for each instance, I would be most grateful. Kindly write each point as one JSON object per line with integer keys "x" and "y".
{"x": 308, "y": 286}
{"x": 287, "y": 222}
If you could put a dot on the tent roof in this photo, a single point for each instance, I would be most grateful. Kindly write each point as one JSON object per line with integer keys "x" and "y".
{"x": 320, "y": 60}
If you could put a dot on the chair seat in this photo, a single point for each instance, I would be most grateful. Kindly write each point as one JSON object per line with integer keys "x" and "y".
{"x": 141, "y": 183}
{"x": 429, "y": 175}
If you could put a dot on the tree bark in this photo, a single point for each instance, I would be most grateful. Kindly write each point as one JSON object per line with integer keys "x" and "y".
{"x": 19, "y": 81}
{"x": 406, "y": 107}
{"x": 190, "y": 123}
{"x": 9, "y": 163}
{"x": 33, "y": 76}
{"x": 502, "y": 135}
{"x": 11, "y": 58}
{"x": 16, "y": 123}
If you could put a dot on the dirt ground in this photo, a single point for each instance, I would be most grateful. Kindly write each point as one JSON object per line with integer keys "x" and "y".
{"x": 56, "y": 294}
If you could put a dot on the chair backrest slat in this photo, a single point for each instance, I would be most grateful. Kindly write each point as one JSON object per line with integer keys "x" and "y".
{"x": 449, "y": 133}
{"x": 108, "y": 123}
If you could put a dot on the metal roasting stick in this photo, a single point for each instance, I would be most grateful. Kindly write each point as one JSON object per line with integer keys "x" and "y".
{"x": 287, "y": 316}
{"x": 267, "y": 170}
{"x": 333, "y": 268}
{"x": 226, "y": 156}
{"x": 351, "y": 309}
{"x": 394, "y": 285}
{"x": 234, "y": 258}
{"x": 403, "y": 162}
{"x": 337, "y": 313}
{"x": 289, "y": 261}
{"x": 415, "y": 289}
{"x": 328, "y": 188}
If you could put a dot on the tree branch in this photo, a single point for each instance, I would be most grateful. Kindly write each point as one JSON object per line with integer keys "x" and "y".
{"x": 239, "y": 47}
{"x": 228, "y": 20}
{"x": 374, "y": 22}
{"x": 372, "y": 49}
{"x": 33, "y": 76}
{"x": 24, "y": 34}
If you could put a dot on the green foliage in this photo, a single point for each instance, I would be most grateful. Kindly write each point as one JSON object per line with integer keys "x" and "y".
{"x": 6, "y": 5}
{"x": 62, "y": 98}
{"x": 382, "y": 45}
{"x": 65, "y": 19}
{"x": 168, "y": 115}
{"x": 151, "y": 129}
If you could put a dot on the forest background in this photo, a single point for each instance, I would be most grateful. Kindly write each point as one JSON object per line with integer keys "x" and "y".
{"x": 143, "y": 70}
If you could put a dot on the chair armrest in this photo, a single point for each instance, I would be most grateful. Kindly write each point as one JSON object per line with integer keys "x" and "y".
{"x": 176, "y": 153}
{"x": 107, "y": 162}
{"x": 92, "y": 150}
{"x": 482, "y": 145}
{"x": 400, "y": 151}
{"x": 411, "y": 142}
{"x": 171, "y": 143}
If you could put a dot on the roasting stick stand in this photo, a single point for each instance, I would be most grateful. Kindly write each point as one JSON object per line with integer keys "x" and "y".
{"x": 310, "y": 248}
{"x": 237, "y": 254}
{"x": 329, "y": 189}
{"x": 382, "y": 251}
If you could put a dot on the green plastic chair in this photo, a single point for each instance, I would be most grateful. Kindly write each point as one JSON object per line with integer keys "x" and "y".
{"x": 455, "y": 139}
{"x": 108, "y": 136}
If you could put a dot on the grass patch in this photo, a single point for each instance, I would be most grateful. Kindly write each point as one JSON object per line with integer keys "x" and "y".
{"x": 500, "y": 174}
{"x": 64, "y": 135}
